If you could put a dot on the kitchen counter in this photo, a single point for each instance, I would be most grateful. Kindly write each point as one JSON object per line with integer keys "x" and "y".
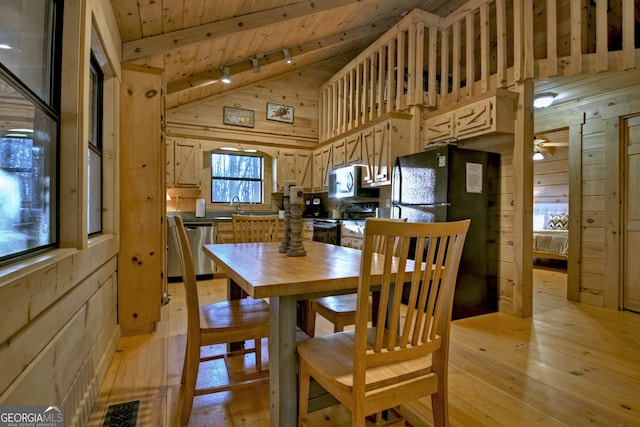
{"x": 215, "y": 216}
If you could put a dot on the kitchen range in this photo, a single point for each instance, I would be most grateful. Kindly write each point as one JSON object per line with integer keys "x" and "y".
{"x": 329, "y": 230}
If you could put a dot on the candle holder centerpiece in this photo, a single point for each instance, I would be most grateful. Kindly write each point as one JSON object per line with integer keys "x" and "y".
{"x": 296, "y": 202}
{"x": 286, "y": 202}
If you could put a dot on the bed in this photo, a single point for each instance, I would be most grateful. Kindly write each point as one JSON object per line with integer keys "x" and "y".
{"x": 551, "y": 234}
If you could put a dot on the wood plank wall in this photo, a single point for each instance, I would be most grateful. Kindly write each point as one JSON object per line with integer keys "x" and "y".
{"x": 59, "y": 328}
{"x": 595, "y": 175}
{"x": 551, "y": 177}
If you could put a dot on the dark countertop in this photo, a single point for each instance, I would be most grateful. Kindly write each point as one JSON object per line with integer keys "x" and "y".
{"x": 214, "y": 216}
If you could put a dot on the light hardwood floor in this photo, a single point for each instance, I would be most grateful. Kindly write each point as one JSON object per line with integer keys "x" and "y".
{"x": 570, "y": 364}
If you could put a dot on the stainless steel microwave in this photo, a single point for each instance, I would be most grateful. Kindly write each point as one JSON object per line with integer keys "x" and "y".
{"x": 347, "y": 182}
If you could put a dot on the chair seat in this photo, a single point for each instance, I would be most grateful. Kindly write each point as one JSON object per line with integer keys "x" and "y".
{"x": 338, "y": 309}
{"x": 338, "y": 303}
{"x": 330, "y": 357}
{"x": 243, "y": 319}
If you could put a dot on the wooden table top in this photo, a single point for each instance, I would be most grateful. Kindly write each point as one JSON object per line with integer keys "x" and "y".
{"x": 264, "y": 272}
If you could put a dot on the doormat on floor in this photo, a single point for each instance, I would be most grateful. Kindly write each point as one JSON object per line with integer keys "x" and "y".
{"x": 122, "y": 414}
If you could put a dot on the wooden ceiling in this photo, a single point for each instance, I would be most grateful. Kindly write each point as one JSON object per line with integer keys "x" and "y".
{"x": 193, "y": 40}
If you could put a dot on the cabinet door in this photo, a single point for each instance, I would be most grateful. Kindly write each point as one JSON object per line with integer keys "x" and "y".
{"x": 316, "y": 178}
{"x": 327, "y": 166}
{"x": 382, "y": 154}
{"x": 381, "y": 144}
{"x": 474, "y": 119}
{"x": 440, "y": 128}
{"x": 187, "y": 170}
{"x": 303, "y": 169}
{"x": 286, "y": 167}
{"x": 353, "y": 149}
{"x": 368, "y": 156}
{"x": 339, "y": 153}
{"x": 322, "y": 164}
{"x": 377, "y": 153}
{"x": 169, "y": 145}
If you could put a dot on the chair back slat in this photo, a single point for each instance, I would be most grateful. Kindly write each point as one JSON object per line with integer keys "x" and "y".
{"x": 254, "y": 228}
{"x": 187, "y": 268}
{"x": 433, "y": 251}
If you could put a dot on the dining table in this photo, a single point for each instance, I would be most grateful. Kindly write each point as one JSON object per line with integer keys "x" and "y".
{"x": 262, "y": 271}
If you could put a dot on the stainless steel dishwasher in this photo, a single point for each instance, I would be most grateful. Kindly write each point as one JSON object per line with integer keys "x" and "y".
{"x": 198, "y": 234}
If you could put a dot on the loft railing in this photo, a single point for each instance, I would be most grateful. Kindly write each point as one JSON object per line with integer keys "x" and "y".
{"x": 433, "y": 62}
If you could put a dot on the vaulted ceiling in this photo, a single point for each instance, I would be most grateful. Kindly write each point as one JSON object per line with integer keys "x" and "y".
{"x": 194, "y": 40}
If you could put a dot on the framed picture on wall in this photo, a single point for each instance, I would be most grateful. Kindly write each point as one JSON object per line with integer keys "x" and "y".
{"x": 238, "y": 117}
{"x": 279, "y": 112}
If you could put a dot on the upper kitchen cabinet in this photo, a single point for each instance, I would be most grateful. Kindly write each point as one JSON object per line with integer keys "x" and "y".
{"x": 339, "y": 153}
{"x": 494, "y": 114}
{"x": 382, "y": 142}
{"x": 294, "y": 165}
{"x": 353, "y": 149}
{"x": 184, "y": 163}
{"x": 322, "y": 164}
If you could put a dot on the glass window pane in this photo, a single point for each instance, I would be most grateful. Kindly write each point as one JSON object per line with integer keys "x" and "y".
{"x": 95, "y": 192}
{"x": 25, "y": 42}
{"x": 236, "y": 175}
{"x": 27, "y": 174}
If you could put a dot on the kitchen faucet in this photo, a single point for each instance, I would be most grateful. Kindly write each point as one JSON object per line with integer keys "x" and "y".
{"x": 237, "y": 200}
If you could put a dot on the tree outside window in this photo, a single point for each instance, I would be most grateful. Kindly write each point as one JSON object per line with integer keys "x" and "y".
{"x": 236, "y": 175}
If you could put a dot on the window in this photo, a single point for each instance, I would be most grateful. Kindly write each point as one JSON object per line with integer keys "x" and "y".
{"x": 29, "y": 123}
{"x": 94, "y": 211}
{"x": 236, "y": 175}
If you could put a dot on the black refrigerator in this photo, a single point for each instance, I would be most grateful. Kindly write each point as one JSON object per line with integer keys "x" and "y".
{"x": 449, "y": 183}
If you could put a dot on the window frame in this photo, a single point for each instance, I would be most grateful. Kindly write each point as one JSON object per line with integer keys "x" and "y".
{"x": 261, "y": 179}
{"x": 49, "y": 105}
{"x": 96, "y": 111}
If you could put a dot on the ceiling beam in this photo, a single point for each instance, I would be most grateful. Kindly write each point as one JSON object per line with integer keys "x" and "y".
{"x": 213, "y": 75}
{"x": 154, "y": 45}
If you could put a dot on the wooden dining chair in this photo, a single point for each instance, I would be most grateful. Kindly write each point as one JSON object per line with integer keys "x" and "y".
{"x": 340, "y": 310}
{"x": 217, "y": 323}
{"x": 371, "y": 369}
{"x": 254, "y": 228}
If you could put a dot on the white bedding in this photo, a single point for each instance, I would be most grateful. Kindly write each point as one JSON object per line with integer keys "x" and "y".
{"x": 552, "y": 242}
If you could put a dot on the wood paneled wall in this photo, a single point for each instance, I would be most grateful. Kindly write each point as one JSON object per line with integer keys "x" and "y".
{"x": 551, "y": 177}
{"x": 299, "y": 90}
{"x": 59, "y": 328}
{"x": 58, "y": 324}
{"x": 595, "y": 198}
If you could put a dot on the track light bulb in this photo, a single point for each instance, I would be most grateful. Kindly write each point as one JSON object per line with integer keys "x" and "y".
{"x": 226, "y": 77}
{"x": 287, "y": 58}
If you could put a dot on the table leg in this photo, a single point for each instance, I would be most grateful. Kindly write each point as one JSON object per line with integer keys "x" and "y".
{"x": 234, "y": 292}
{"x": 283, "y": 364}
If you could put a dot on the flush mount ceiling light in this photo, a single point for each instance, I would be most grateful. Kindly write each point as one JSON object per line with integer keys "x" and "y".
{"x": 543, "y": 100}
{"x": 287, "y": 58}
{"x": 5, "y": 46}
{"x": 538, "y": 156}
{"x": 256, "y": 65}
{"x": 226, "y": 77}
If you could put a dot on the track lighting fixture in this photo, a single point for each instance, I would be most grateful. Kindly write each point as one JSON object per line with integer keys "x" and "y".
{"x": 287, "y": 58}
{"x": 226, "y": 77}
{"x": 256, "y": 65}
